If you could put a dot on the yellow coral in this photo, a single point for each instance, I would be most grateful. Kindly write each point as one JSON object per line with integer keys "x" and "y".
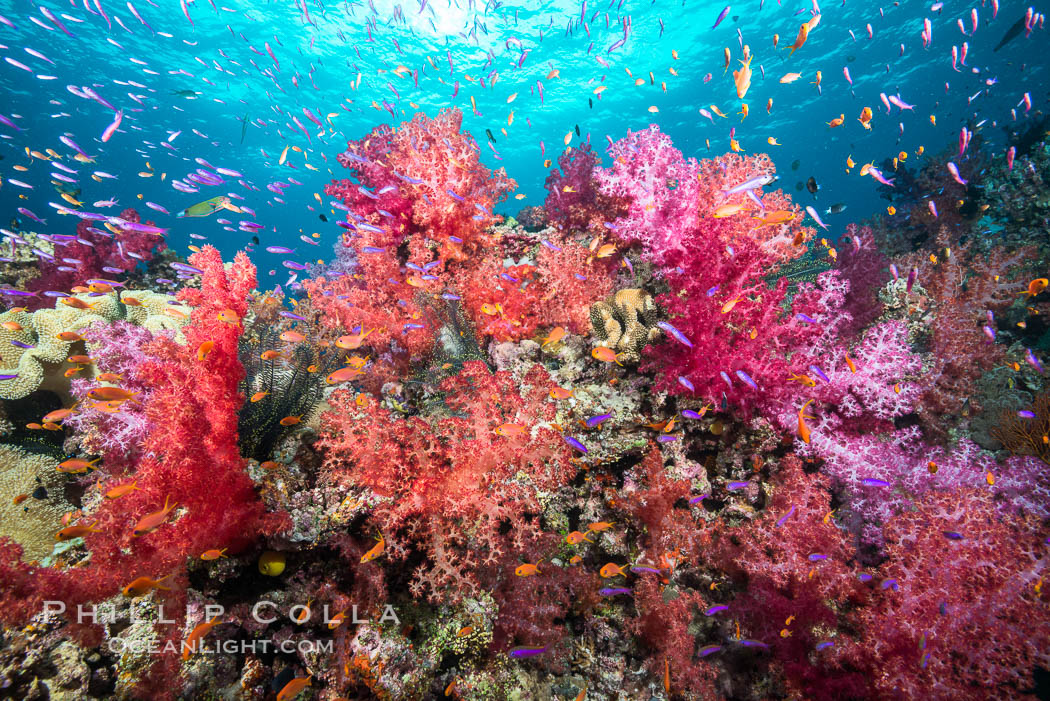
{"x": 156, "y": 313}
{"x": 37, "y": 365}
{"x": 34, "y": 522}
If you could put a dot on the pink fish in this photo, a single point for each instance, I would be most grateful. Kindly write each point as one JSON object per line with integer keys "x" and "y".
{"x": 57, "y": 22}
{"x": 877, "y": 174}
{"x": 18, "y": 64}
{"x": 954, "y": 170}
{"x": 962, "y": 54}
{"x": 1010, "y": 155}
{"x": 186, "y": 11}
{"x": 995, "y": 8}
{"x": 962, "y": 27}
{"x": 955, "y": 58}
{"x": 885, "y": 101}
{"x": 973, "y": 20}
{"x": 900, "y": 103}
{"x": 927, "y": 32}
{"x": 845, "y": 72}
{"x": 114, "y": 125}
{"x": 34, "y": 52}
{"x": 933, "y": 208}
{"x": 139, "y": 17}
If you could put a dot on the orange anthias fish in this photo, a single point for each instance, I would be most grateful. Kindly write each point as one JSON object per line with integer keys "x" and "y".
{"x": 837, "y": 121}
{"x": 556, "y": 334}
{"x": 781, "y": 216}
{"x": 742, "y": 78}
{"x": 229, "y": 316}
{"x": 192, "y": 641}
{"x": 510, "y": 430}
{"x": 790, "y": 77}
{"x": 606, "y": 355}
{"x": 213, "y": 554}
{"x": 727, "y": 210}
{"x": 258, "y": 397}
{"x": 600, "y": 526}
{"x": 1037, "y": 286}
{"x": 728, "y": 57}
{"x": 77, "y": 465}
{"x": 70, "y": 532}
{"x": 800, "y": 39}
{"x": 293, "y": 688}
{"x": 343, "y": 375}
{"x": 353, "y": 341}
{"x": 865, "y": 117}
{"x": 123, "y": 489}
{"x": 204, "y": 349}
{"x": 110, "y": 394}
{"x": 151, "y": 522}
{"x": 376, "y": 550}
{"x": 140, "y": 586}
{"x": 611, "y": 569}
{"x": 527, "y": 570}
{"x": 575, "y": 538}
{"x": 803, "y": 429}
{"x": 560, "y": 393}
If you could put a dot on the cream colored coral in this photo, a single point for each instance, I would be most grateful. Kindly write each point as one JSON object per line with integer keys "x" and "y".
{"x": 33, "y": 523}
{"x": 40, "y": 329}
{"x": 155, "y": 313}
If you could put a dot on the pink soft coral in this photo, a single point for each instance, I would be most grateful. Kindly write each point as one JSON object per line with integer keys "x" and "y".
{"x": 95, "y": 253}
{"x": 965, "y": 614}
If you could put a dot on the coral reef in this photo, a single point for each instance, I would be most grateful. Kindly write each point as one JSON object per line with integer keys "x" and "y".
{"x": 651, "y": 440}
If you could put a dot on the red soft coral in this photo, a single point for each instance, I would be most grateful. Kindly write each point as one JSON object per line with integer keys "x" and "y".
{"x": 192, "y": 460}
{"x": 967, "y": 618}
{"x": 449, "y": 486}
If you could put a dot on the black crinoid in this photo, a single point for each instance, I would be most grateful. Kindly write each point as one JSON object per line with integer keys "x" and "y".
{"x": 287, "y": 383}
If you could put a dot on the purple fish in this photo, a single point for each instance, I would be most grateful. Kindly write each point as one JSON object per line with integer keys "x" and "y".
{"x": 783, "y": 519}
{"x": 697, "y": 500}
{"x": 667, "y": 438}
{"x": 289, "y": 315}
{"x": 824, "y": 644}
{"x": 1030, "y": 357}
{"x": 678, "y": 335}
{"x": 708, "y": 650}
{"x": 597, "y": 420}
{"x": 864, "y": 577}
{"x": 715, "y": 609}
{"x": 575, "y": 444}
{"x": 686, "y": 383}
{"x": 805, "y": 318}
{"x": 721, "y": 16}
{"x": 28, "y": 213}
{"x": 733, "y": 486}
{"x": 614, "y": 591}
{"x": 638, "y": 569}
{"x": 1025, "y": 414}
{"x": 690, "y": 414}
{"x": 293, "y": 265}
{"x": 746, "y": 379}
{"x": 913, "y": 274}
{"x": 279, "y": 249}
{"x": 890, "y": 584}
{"x": 954, "y": 170}
{"x": 952, "y": 535}
{"x": 872, "y": 482}
{"x": 754, "y": 643}
{"x": 817, "y": 557}
{"x": 186, "y": 268}
{"x": 989, "y": 332}
{"x": 518, "y": 652}
{"x": 815, "y": 369}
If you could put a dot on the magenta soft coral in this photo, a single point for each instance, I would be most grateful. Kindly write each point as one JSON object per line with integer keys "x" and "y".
{"x": 92, "y": 252}
{"x": 966, "y": 614}
{"x": 574, "y": 202}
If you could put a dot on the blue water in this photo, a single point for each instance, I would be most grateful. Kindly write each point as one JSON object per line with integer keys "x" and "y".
{"x": 340, "y": 43}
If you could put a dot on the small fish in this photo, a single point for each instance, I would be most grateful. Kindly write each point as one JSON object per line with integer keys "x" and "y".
{"x": 153, "y": 521}
{"x": 140, "y": 586}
